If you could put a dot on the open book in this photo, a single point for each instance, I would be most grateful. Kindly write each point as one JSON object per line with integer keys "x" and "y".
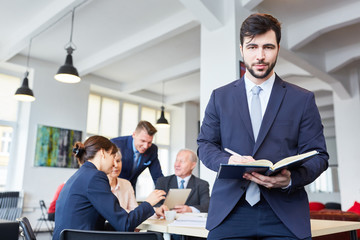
{"x": 266, "y": 167}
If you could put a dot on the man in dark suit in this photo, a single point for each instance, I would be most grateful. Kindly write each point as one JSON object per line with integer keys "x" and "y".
{"x": 276, "y": 121}
{"x": 138, "y": 153}
{"x": 198, "y": 200}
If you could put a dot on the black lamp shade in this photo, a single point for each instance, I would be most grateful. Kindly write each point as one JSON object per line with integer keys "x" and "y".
{"x": 67, "y": 73}
{"x": 162, "y": 120}
{"x": 24, "y": 93}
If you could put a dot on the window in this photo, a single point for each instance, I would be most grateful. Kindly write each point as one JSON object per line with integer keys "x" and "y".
{"x": 109, "y": 117}
{"x": 327, "y": 182}
{"x": 8, "y": 119}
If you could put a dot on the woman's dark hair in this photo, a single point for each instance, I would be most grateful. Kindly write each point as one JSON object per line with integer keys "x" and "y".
{"x": 259, "y": 23}
{"x": 87, "y": 150}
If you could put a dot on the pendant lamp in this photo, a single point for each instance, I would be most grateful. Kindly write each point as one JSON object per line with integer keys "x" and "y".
{"x": 67, "y": 73}
{"x": 162, "y": 122}
{"x": 24, "y": 93}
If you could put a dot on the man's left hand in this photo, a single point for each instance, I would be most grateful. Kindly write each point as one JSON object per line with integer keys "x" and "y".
{"x": 280, "y": 180}
{"x": 182, "y": 209}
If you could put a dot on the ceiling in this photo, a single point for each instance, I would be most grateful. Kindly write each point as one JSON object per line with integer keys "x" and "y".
{"x": 140, "y": 47}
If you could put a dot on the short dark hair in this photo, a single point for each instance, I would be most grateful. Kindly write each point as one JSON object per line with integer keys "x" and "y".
{"x": 259, "y": 23}
{"x": 87, "y": 150}
{"x": 148, "y": 127}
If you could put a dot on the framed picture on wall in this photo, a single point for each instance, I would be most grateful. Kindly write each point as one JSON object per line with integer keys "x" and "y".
{"x": 242, "y": 68}
{"x": 54, "y": 147}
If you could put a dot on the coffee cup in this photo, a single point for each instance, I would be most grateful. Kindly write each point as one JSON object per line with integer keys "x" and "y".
{"x": 170, "y": 215}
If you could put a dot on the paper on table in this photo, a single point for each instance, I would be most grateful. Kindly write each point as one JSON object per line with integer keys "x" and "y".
{"x": 190, "y": 220}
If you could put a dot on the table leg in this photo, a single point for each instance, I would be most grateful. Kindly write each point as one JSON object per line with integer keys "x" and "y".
{"x": 353, "y": 235}
{"x": 166, "y": 236}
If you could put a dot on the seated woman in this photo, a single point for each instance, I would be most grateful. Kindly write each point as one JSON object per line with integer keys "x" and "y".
{"x": 86, "y": 199}
{"x": 122, "y": 188}
{"x": 51, "y": 210}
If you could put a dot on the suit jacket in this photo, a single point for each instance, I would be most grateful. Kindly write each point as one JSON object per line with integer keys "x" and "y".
{"x": 86, "y": 201}
{"x": 291, "y": 125}
{"x": 199, "y": 196}
{"x": 148, "y": 160}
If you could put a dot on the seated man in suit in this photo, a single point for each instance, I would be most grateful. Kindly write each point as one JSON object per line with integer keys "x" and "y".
{"x": 138, "y": 153}
{"x": 198, "y": 200}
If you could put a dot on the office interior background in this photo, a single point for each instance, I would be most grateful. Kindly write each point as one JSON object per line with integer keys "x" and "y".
{"x": 135, "y": 56}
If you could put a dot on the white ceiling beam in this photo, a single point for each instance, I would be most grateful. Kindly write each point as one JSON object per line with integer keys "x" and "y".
{"x": 250, "y": 4}
{"x": 209, "y": 12}
{"x": 329, "y": 132}
{"x": 285, "y": 68}
{"x": 324, "y": 101}
{"x": 310, "y": 83}
{"x": 165, "y": 29}
{"x": 35, "y": 26}
{"x": 339, "y": 57}
{"x": 177, "y": 71}
{"x": 190, "y": 95}
{"x": 301, "y": 33}
{"x": 327, "y": 114}
{"x": 337, "y": 86}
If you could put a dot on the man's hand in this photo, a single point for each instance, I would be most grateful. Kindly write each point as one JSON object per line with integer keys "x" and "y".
{"x": 155, "y": 197}
{"x": 280, "y": 180}
{"x": 182, "y": 208}
{"x": 160, "y": 211}
{"x": 235, "y": 159}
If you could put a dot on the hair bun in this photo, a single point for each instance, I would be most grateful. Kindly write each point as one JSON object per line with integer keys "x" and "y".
{"x": 78, "y": 150}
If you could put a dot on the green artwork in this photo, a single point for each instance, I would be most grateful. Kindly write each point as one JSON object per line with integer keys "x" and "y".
{"x": 54, "y": 147}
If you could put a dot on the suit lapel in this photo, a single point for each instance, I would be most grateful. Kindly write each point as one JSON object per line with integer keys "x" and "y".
{"x": 191, "y": 184}
{"x": 173, "y": 182}
{"x": 243, "y": 107}
{"x": 276, "y": 98}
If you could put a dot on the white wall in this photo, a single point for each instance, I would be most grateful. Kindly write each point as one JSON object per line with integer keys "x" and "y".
{"x": 59, "y": 105}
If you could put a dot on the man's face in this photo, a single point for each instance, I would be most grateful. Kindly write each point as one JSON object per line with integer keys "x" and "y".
{"x": 260, "y": 55}
{"x": 183, "y": 165}
{"x": 142, "y": 140}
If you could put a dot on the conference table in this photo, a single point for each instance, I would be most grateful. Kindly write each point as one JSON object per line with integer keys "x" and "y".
{"x": 318, "y": 228}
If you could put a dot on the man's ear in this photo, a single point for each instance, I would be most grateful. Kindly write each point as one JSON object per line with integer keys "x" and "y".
{"x": 241, "y": 51}
{"x": 193, "y": 165}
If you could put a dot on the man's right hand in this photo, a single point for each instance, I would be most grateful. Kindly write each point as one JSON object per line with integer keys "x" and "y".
{"x": 235, "y": 159}
{"x": 155, "y": 197}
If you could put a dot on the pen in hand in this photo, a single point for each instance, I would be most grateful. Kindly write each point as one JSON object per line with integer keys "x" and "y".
{"x": 232, "y": 152}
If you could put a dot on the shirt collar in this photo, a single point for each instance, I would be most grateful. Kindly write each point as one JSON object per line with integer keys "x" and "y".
{"x": 186, "y": 178}
{"x": 134, "y": 148}
{"x": 265, "y": 86}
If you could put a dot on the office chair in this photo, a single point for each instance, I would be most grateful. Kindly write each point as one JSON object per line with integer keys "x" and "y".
{"x": 72, "y": 234}
{"x": 9, "y": 230}
{"x": 26, "y": 229}
{"x": 43, "y": 218}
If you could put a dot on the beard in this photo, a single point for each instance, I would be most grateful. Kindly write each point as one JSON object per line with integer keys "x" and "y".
{"x": 264, "y": 74}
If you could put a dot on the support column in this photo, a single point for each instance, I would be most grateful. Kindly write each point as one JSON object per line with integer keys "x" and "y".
{"x": 347, "y": 124}
{"x": 219, "y": 58}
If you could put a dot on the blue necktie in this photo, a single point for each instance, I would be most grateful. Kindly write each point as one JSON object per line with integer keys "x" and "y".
{"x": 253, "y": 192}
{"x": 182, "y": 184}
{"x": 136, "y": 160}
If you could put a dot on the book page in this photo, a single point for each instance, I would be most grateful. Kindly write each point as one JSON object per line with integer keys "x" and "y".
{"x": 261, "y": 162}
{"x": 292, "y": 159}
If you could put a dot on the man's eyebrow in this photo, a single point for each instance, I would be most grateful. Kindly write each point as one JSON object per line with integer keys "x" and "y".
{"x": 269, "y": 45}
{"x": 251, "y": 44}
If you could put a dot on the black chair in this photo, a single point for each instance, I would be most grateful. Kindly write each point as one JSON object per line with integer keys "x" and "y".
{"x": 71, "y": 234}
{"x": 43, "y": 219}
{"x": 333, "y": 205}
{"x": 9, "y": 230}
{"x": 26, "y": 229}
